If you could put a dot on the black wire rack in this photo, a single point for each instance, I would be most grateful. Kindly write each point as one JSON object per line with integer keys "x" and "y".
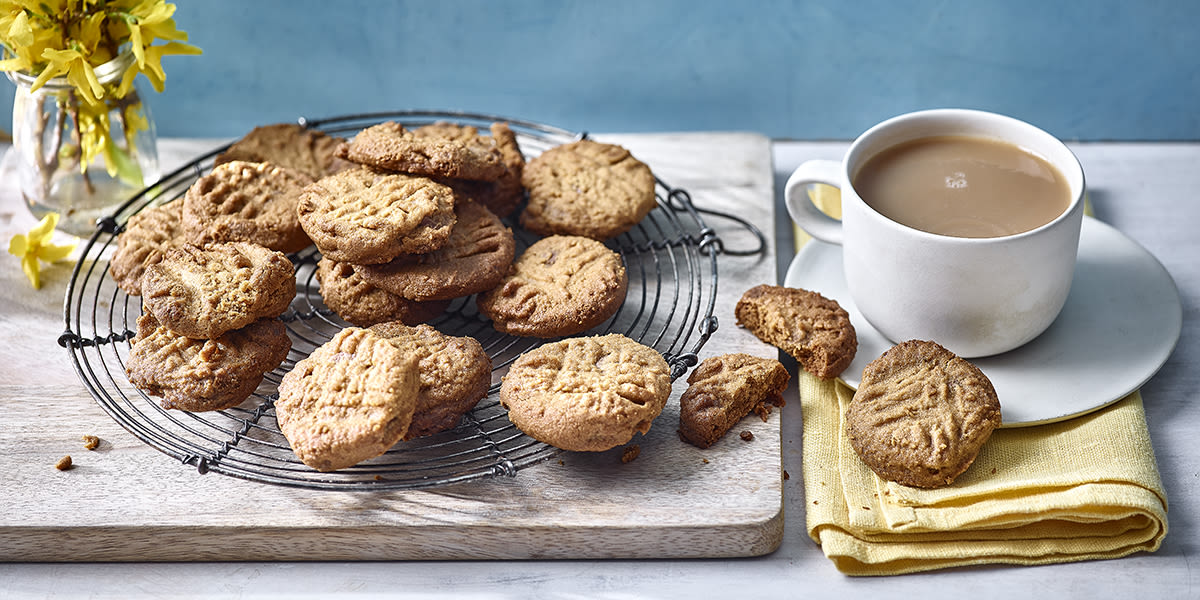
{"x": 670, "y": 257}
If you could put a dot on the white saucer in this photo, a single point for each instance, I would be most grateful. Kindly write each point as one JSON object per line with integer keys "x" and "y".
{"x": 1120, "y": 323}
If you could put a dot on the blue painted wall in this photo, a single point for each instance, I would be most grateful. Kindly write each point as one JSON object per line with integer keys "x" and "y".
{"x": 1103, "y": 69}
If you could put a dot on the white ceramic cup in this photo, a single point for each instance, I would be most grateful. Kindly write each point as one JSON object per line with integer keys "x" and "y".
{"x": 975, "y": 296}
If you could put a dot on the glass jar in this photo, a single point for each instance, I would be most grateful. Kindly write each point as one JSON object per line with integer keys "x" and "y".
{"x": 65, "y": 163}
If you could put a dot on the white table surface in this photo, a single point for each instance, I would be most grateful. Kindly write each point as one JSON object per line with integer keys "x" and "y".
{"x": 1147, "y": 190}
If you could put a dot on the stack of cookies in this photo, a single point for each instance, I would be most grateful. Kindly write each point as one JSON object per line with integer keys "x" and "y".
{"x": 364, "y": 390}
{"x": 416, "y": 222}
{"x": 211, "y": 331}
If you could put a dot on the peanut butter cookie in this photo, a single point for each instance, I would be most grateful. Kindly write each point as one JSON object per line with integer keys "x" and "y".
{"x": 475, "y": 259}
{"x": 199, "y": 375}
{"x": 147, "y": 237}
{"x": 350, "y": 400}
{"x": 921, "y": 414}
{"x": 815, "y": 330}
{"x": 289, "y": 145}
{"x": 203, "y": 292}
{"x": 724, "y": 389}
{"x": 586, "y": 394}
{"x": 246, "y": 202}
{"x": 389, "y": 146}
{"x": 364, "y": 216}
{"x": 363, "y": 304}
{"x": 503, "y": 195}
{"x": 586, "y": 188}
{"x": 455, "y": 374}
{"x": 561, "y": 285}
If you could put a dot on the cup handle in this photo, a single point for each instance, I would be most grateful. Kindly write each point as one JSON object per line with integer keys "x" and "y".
{"x": 806, "y": 214}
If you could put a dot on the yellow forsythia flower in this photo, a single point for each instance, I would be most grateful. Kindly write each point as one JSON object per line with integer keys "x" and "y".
{"x": 36, "y": 246}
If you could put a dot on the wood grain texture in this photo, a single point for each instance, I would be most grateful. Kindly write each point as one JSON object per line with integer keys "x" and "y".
{"x": 125, "y": 501}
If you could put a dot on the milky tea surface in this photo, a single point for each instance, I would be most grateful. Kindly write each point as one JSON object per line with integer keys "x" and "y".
{"x": 963, "y": 187}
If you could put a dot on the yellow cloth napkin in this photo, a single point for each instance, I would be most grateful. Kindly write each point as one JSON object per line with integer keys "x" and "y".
{"x": 1086, "y": 488}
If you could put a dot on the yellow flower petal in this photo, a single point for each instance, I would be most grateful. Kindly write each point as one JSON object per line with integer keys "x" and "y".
{"x": 29, "y": 264}
{"x": 52, "y": 253}
{"x": 21, "y": 32}
{"x": 44, "y": 229}
{"x": 18, "y": 245}
{"x": 135, "y": 44}
{"x": 126, "y": 82}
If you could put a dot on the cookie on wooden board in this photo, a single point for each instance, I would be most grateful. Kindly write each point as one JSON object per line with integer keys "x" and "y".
{"x": 246, "y": 202}
{"x": 147, "y": 237}
{"x": 351, "y": 400}
{"x": 586, "y": 393}
{"x": 815, "y": 330}
{"x": 921, "y": 414}
{"x": 474, "y": 259}
{"x": 723, "y": 389}
{"x": 363, "y": 216}
{"x": 561, "y": 285}
{"x": 455, "y": 374}
{"x": 200, "y": 375}
{"x": 586, "y": 188}
{"x": 205, "y": 291}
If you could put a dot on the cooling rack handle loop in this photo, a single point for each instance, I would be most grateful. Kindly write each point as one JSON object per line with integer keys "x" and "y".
{"x": 70, "y": 339}
{"x": 682, "y": 363}
{"x": 679, "y": 200}
{"x": 504, "y": 468}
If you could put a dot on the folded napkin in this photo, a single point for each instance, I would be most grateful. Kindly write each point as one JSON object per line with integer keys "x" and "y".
{"x": 1085, "y": 488}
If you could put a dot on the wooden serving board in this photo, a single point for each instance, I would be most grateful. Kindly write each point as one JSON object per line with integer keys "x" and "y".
{"x": 126, "y": 501}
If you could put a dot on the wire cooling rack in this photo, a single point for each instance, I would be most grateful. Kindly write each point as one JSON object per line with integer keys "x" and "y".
{"x": 670, "y": 257}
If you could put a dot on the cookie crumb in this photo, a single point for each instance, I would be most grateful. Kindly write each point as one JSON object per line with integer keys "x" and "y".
{"x": 90, "y": 442}
{"x": 704, "y": 460}
{"x": 747, "y": 435}
{"x": 64, "y": 463}
{"x": 630, "y": 452}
